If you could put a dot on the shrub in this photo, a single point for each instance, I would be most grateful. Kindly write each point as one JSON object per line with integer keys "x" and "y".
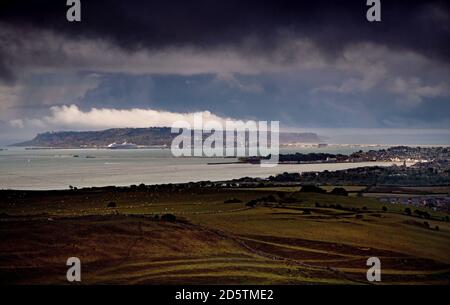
{"x": 233, "y": 200}
{"x": 384, "y": 209}
{"x": 169, "y": 217}
{"x": 364, "y": 208}
{"x": 339, "y": 191}
{"x": 112, "y": 204}
{"x": 251, "y": 203}
{"x": 421, "y": 214}
{"x": 271, "y": 198}
{"x": 289, "y": 200}
{"x": 359, "y": 216}
{"x": 426, "y": 224}
{"x": 312, "y": 189}
{"x": 306, "y": 212}
{"x": 408, "y": 211}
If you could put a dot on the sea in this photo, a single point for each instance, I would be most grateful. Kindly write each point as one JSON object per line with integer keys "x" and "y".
{"x": 47, "y": 169}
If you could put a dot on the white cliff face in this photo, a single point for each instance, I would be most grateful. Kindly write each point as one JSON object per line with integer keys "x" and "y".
{"x": 124, "y": 145}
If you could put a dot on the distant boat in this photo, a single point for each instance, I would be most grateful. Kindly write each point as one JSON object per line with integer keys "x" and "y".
{"x": 124, "y": 145}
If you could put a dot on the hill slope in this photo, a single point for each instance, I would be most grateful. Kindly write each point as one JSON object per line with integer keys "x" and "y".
{"x": 153, "y": 136}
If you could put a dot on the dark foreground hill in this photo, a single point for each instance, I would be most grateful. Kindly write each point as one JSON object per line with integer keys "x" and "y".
{"x": 287, "y": 237}
{"x": 140, "y": 136}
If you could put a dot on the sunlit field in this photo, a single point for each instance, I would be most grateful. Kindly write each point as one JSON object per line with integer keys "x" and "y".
{"x": 287, "y": 238}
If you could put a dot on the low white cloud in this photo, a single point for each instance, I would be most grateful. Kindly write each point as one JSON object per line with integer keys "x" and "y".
{"x": 52, "y": 69}
{"x": 71, "y": 117}
{"x": 232, "y": 81}
{"x": 8, "y": 99}
{"x": 366, "y": 65}
{"x": 16, "y": 123}
{"x": 35, "y": 92}
{"x": 413, "y": 90}
{"x": 409, "y": 77}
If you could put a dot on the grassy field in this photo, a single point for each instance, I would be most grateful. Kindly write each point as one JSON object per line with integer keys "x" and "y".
{"x": 293, "y": 238}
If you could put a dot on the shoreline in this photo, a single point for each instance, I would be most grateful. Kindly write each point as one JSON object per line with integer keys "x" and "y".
{"x": 128, "y": 185}
{"x": 73, "y": 168}
{"x": 285, "y": 145}
{"x": 409, "y": 163}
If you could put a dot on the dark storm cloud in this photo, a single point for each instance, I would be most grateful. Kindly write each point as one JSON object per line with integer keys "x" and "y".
{"x": 305, "y": 63}
{"x": 417, "y": 25}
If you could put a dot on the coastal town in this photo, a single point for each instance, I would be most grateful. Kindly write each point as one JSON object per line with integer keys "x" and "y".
{"x": 401, "y": 154}
{"x": 434, "y": 202}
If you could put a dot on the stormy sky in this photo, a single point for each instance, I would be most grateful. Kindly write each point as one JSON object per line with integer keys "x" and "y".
{"x": 308, "y": 64}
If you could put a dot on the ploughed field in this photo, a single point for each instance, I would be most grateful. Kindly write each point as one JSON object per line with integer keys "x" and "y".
{"x": 286, "y": 238}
